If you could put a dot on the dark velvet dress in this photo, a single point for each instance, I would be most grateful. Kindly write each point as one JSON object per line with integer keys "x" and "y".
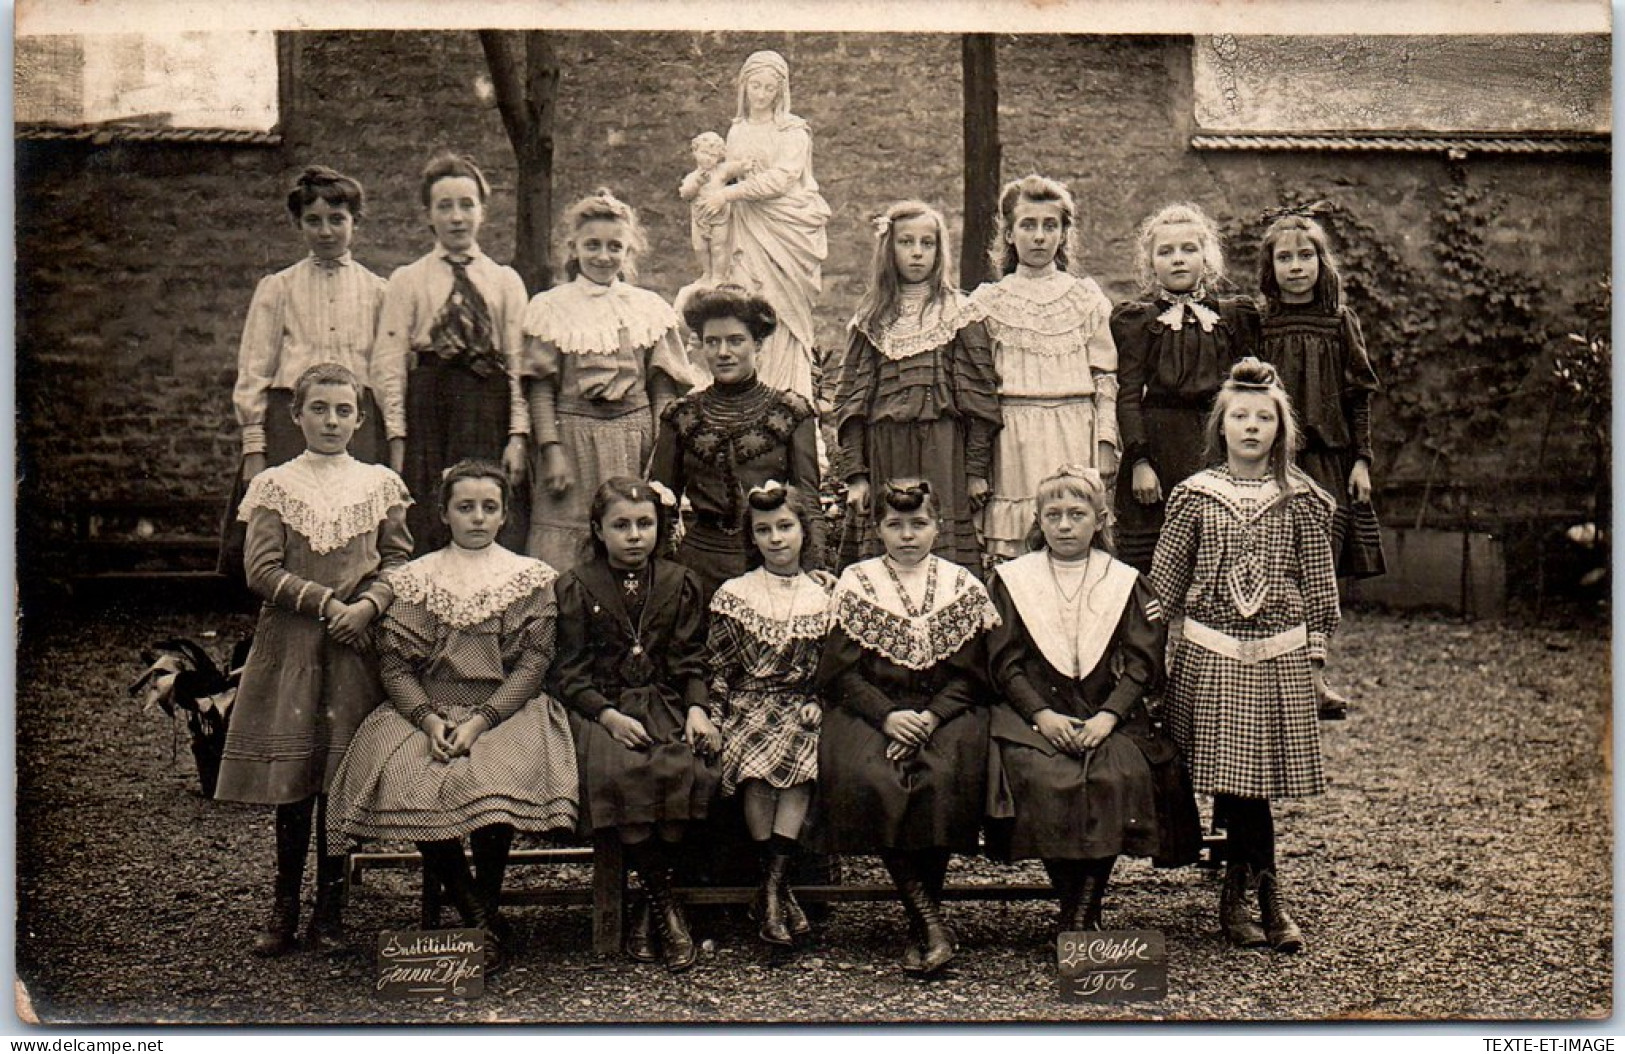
{"x": 1131, "y": 794}
{"x": 1322, "y": 360}
{"x": 919, "y": 403}
{"x": 1167, "y": 378}
{"x": 644, "y": 655}
{"x": 879, "y": 659}
{"x": 713, "y": 446}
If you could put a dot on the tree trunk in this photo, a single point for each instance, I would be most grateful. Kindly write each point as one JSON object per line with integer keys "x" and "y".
{"x": 979, "y": 64}
{"x": 527, "y": 100}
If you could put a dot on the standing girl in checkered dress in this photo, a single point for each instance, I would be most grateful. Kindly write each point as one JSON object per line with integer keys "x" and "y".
{"x": 767, "y": 631}
{"x": 1245, "y": 558}
{"x": 470, "y": 746}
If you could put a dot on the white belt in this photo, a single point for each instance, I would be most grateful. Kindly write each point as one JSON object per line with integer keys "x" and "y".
{"x": 1248, "y": 652}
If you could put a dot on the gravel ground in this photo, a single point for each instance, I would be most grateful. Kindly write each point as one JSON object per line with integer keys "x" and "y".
{"x": 1459, "y": 868}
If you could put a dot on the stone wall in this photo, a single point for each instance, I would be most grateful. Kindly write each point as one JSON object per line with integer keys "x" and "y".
{"x": 136, "y": 263}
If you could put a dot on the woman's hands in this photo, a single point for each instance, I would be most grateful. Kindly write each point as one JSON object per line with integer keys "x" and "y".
{"x": 513, "y": 458}
{"x": 347, "y": 623}
{"x": 811, "y": 715}
{"x": 857, "y": 496}
{"x": 701, "y": 733}
{"x": 1360, "y": 482}
{"x": 908, "y": 730}
{"x": 1147, "y": 487}
{"x": 555, "y": 470}
{"x": 1071, "y": 736}
{"x": 627, "y": 731}
{"x": 448, "y": 741}
{"x": 253, "y": 465}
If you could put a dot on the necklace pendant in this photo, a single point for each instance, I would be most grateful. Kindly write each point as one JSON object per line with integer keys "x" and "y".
{"x": 637, "y": 649}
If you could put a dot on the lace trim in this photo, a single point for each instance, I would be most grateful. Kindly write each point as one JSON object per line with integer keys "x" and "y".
{"x": 917, "y": 644}
{"x": 591, "y": 321}
{"x": 913, "y": 335}
{"x": 325, "y": 526}
{"x": 1246, "y": 500}
{"x": 416, "y": 584}
{"x": 1048, "y": 325}
{"x": 770, "y": 631}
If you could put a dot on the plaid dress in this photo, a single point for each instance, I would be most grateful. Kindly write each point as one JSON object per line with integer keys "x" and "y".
{"x": 763, "y": 645}
{"x": 1241, "y": 558}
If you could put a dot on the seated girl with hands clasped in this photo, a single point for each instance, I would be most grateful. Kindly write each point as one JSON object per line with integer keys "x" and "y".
{"x": 631, "y": 666}
{"x": 470, "y": 745}
{"x": 902, "y": 758}
{"x": 1078, "y": 774}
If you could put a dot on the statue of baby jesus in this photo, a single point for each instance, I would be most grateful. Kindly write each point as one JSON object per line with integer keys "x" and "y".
{"x": 710, "y": 237}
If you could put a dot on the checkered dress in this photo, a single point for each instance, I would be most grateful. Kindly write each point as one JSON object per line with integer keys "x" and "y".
{"x": 765, "y": 637}
{"x": 1239, "y": 558}
{"x": 522, "y": 771}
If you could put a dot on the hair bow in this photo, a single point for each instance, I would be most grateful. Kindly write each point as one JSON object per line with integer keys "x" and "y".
{"x": 1083, "y": 472}
{"x": 1304, "y": 210}
{"x": 663, "y": 492}
{"x": 913, "y": 490}
{"x": 772, "y": 486}
{"x": 882, "y": 226}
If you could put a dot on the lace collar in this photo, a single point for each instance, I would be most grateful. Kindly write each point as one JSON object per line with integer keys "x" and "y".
{"x": 1247, "y": 499}
{"x": 464, "y": 587}
{"x": 869, "y": 608}
{"x": 585, "y": 318}
{"x": 775, "y": 609}
{"x": 327, "y": 499}
{"x": 1052, "y": 315}
{"x": 919, "y": 327}
{"x": 1074, "y": 649}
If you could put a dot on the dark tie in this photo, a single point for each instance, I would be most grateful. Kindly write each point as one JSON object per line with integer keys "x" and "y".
{"x": 463, "y": 333}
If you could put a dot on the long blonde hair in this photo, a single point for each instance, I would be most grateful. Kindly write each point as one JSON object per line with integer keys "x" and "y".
{"x": 1167, "y": 216}
{"x": 878, "y": 308}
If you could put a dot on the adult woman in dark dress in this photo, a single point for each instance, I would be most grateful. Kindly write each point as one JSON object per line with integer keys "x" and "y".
{"x": 715, "y": 444}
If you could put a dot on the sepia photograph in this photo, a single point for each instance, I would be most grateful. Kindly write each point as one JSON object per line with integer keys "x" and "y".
{"x": 1028, "y": 513}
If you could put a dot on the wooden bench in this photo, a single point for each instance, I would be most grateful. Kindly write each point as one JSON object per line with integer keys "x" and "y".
{"x": 606, "y": 894}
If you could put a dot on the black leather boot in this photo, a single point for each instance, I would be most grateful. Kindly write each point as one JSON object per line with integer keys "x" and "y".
{"x": 1096, "y": 876}
{"x": 795, "y": 919}
{"x": 451, "y": 865}
{"x": 1067, "y": 878}
{"x": 775, "y": 870}
{"x": 670, "y": 923}
{"x": 919, "y": 901}
{"x": 1283, "y": 933}
{"x": 491, "y": 845}
{"x": 292, "y": 843}
{"x": 326, "y": 931}
{"x": 1235, "y": 917}
{"x": 639, "y": 944}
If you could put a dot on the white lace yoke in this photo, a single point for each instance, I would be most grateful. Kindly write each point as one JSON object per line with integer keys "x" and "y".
{"x": 919, "y": 327}
{"x": 774, "y": 609}
{"x": 327, "y": 499}
{"x": 464, "y": 587}
{"x": 1052, "y": 315}
{"x": 585, "y": 318}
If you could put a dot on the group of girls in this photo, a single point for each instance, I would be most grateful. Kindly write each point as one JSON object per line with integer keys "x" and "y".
{"x": 600, "y": 685}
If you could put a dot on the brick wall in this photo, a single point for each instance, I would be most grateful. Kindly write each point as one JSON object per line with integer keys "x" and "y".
{"x": 136, "y": 264}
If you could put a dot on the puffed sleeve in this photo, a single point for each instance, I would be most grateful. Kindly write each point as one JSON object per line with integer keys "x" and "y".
{"x": 666, "y": 369}
{"x": 1141, "y": 643}
{"x": 666, "y": 464}
{"x": 1102, "y": 350}
{"x": 572, "y": 664}
{"x": 513, "y": 299}
{"x": 1133, "y": 348}
{"x": 394, "y": 550}
{"x": 792, "y": 149}
{"x": 529, "y": 627}
{"x": 840, "y": 679}
{"x": 853, "y": 393}
{"x": 1174, "y": 565}
{"x": 685, "y": 655}
{"x": 976, "y": 396}
{"x": 1008, "y": 653}
{"x": 264, "y": 555}
{"x": 1359, "y": 385}
{"x": 257, "y": 357}
{"x": 406, "y": 639}
{"x": 1317, "y": 570}
{"x": 390, "y": 349}
{"x": 1246, "y": 328}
